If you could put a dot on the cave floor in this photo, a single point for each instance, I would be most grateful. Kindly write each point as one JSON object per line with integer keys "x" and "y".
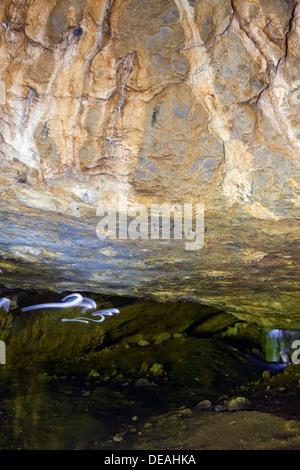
{"x": 48, "y": 412}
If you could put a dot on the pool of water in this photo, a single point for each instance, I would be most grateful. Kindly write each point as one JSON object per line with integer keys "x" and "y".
{"x": 42, "y": 411}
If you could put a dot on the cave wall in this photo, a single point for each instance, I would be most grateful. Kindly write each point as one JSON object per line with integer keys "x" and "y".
{"x": 157, "y": 101}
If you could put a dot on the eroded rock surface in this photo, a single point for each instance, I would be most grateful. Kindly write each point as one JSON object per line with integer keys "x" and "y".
{"x": 170, "y": 101}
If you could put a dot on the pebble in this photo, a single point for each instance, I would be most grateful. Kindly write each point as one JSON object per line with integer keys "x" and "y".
{"x": 143, "y": 342}
{"x": 204, "y": 405}
{"x": 144, "y": 367}
{"x": 184, "y": 413}
{"x": 119, "y": 437}
{"x": 94, "y": 373}
{"x": 45, "y": 377}
{"x": 266, "y": 374}
{"x": 220, "y": 408}
{"x": 238, "y": 404}
{"x": 157, "y": 369}
{"x": 143, "y": 383}
{"x": 158, "y": 339}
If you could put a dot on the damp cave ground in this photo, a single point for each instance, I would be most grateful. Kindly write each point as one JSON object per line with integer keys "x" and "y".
{"x": 138, "y": 384}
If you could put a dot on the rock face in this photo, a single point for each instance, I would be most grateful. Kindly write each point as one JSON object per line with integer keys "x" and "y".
{"x": 170, "y": 101}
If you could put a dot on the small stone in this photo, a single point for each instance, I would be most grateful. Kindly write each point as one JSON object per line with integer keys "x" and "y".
{"x": 119, "y": 437}
{"x": 132, "y": 429}
{"x": 45, "y": 377}
{"x": 266, "y": 374}
{"x": 256, "y": 352}
{"x": 185, "y": 412}
{"x": 220, "y": 408}
{"x": 157, "y": 369}
{"x": 144, "y": 383}
{"x": 144, "y": 367}
{"x": 94, "y": 373}
{"x": 161, "y": 338}
{"x": 204, "y": 405}
{"x": 179, "y": 335}
{"x": 143, "y": 342}
{"x": 238, "y": 404}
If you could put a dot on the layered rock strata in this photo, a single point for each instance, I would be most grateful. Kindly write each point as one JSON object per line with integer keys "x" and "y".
{"x": 170, "y": 101}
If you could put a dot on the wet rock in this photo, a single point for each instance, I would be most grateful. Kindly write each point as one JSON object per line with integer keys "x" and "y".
{"x": 144, "y": 367}
{"x": 214, "y": 323}
{"x": 157, "y": 369}
{"x": 238, "y": 404}
{"x": 266, "y": 374}
{"x": 143, "y": 342}
{"x": 45, "y": 377}
{"x": 94, "y": 373}
{"x": 185, "y": 412}
{"x": 144, "y": 383}
{"x": 119, "y": 437}
{"x": 205, "y": 405}
{"x": 220, "y": 407}
{"x": 158, "y": 339}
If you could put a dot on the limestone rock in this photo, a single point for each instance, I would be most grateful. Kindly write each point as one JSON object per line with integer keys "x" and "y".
{"x": 171, "y": 101}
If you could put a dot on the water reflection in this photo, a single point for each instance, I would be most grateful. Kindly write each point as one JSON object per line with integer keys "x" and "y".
{"x": 40, "y": 411}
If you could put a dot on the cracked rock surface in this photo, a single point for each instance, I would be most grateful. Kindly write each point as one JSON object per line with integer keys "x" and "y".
{"x": 171, "y": 101}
